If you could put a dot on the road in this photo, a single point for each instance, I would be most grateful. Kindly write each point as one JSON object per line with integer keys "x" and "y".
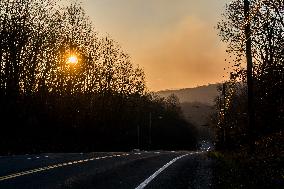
{"x": 134, "y": 170}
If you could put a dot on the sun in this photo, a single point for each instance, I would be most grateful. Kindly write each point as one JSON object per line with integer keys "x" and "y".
{"x": 73, "y": 59}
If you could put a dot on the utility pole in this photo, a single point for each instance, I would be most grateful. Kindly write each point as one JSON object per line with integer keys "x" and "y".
{"x": 224, "y": 110}
{"x": 150, "y": 129}
{"x": 138, "y": 136}
{"x": 251, "y": 117}
{"x": 221, "y": 126}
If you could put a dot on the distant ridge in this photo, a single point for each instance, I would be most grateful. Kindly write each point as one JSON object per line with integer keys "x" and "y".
{"x": 203, "y": 94}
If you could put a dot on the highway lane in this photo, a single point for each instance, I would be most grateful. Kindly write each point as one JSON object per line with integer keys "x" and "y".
{"x": 139, "y": 170}
{"x": 12, "y": 164}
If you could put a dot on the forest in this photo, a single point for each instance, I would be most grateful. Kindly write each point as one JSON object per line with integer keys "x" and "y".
{"x": 251, "y": 105}
{"x": 249, "y": 117}
{"x": 66, "y": 88}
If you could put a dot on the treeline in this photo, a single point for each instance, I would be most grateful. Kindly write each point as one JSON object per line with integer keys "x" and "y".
{"x": 267, "y": 36}
{"x": 98, "y": 103}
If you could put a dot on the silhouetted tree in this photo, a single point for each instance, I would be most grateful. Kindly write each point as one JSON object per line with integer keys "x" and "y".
{"x": 267, "y": 31}
{"x": 50, "y": 104}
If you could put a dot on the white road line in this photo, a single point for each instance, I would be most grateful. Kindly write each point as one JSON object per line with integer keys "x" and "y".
{"x": 28, "y": 172}
{"x": 148, "y": 180}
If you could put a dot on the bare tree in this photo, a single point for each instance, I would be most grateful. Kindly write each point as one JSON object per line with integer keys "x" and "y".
{"x": 254, "y": 33}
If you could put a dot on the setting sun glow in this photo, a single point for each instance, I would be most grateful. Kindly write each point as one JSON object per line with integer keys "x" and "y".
{"x": 72, "y": 59}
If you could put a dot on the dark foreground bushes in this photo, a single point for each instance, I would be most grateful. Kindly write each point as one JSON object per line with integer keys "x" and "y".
{"x": 261, "y": 169}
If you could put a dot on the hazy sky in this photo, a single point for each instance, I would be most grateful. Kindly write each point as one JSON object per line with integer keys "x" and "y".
{"x": 173, "y": 40}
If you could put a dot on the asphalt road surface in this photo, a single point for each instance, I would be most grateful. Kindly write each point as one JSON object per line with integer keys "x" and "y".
{"x": 134, "y": 170}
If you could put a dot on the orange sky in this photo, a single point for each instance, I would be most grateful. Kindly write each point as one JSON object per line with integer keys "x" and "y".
{"x": 173, "y": 40}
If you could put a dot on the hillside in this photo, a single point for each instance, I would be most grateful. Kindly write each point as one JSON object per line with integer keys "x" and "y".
{"x": 197, "y": 113}
{"x": 197, "y": 105}
{"x": 203, "y": 94}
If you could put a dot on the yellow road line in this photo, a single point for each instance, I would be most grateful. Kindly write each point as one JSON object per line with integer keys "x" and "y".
{"x": 28, "y": 172}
